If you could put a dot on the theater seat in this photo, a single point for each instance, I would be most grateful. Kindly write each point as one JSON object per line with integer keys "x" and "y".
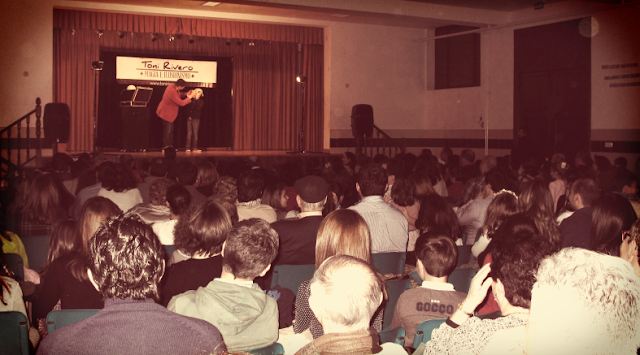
{"x": 395, "y": 335}
{"x": 292, "y": 276}
{"x": 389, "y": 263}
{"x": 424, "y": 329}
{"x": 14, "y": 333}
{"x": 273, "y": 349}
{"x": 64, "y": 317}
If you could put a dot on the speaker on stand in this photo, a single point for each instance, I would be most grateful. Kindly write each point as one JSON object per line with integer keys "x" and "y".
{"x": 361, "y": 125}
{"x": 56, "y": 123}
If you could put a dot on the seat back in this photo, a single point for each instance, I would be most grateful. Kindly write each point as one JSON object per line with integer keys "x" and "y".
{"x": 464, "y": 254}
{"x": 461, "y": 279}
{"x": 14, "y": 262}
{"x": 292, "y": 276}
{"x": 389, "y": 263}
{"x": 394, "y": 289}
{"x": 424, "y": 329}
{"x": 492, "y": 315}
{"x": 14, "y": 333}
{"x": 273, "y": 349}
{"x": 37, "y": 248}
{"x": 169, "y": 249}
{"x": 395, "y": 335}
{"x": 64, "y": 317}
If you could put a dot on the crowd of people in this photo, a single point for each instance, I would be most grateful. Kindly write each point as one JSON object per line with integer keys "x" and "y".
{"x": 178, "y": 257}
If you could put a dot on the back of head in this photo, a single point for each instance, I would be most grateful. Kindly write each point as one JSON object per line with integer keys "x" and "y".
{"x": 587, "y": 189}
{"x": 202, "y": 229}
{"x": 516, "y": 252}
{"x": 343, "y": 232}
{"x": 179, "y": 199}
{"x": 421, "y": 185}
{"x": 251, "y": 246}
{"x": 503, "y": 206}
{"x": 625, "y": 178}
{"x": 612, "y": 214}
{"x": 207, "y": 174}
{"x": 61, "y": 241}
{"x": 346, "y": 291}
{"x": 488, "y": 163}
{"x": 437, "y": 252}
{"x": 437, "y": 215}
{"x": 496, "y": 180}
{"x": 402, "y": 192}
{"x": 47, "y": 200}
{"x": 372, "y": 180}
{"x": 126, "y": 259}
{"x": 250, "y": 185}
{"x": 536, "y": 203}
{"x": 126, "y": 160}
{"x": 468, "y": 155}
{"x": 584, "y": 303}
{"x": 620, "y": 162}
{"x": 159, "y": 167}
{"x": 186, "y": 173}
{"x": 121, "y": 179}
{"x": 158, "y": 191}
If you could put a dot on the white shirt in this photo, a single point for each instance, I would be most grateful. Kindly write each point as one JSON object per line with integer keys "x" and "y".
{"x": 388, "y": 228}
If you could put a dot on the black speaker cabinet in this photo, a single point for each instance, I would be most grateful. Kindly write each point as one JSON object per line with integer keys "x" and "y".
{"x": 135, "y": 127}
{"x": 362, "y": 121}
{"x": 56, "y": 122}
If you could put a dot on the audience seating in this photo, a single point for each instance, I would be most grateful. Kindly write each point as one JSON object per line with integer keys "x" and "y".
{"x": 424, "y": 329}
{"x": 461, "y": 279}
{"x": 14, "y": 262}
{"x": 464, "y": 255}
{"x": 394, "y": 289}
{"x": 273, "y": 349}
{"x": 37, "y": 248}
{"x": 64, "y": 317}
{"x": 292, "y": 276}
{"x": 14, "y": 333}
{"x": 395, "y": 335}
{"x": 389, "y": 263}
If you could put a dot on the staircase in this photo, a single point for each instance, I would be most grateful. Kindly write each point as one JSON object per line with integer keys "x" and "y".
{"x": 17, "y": 148}
{"x": 380, "y": 143}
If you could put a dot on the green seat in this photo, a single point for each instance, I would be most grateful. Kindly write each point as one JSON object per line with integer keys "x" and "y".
{"x": 14, "y": 262}
{"x": 64, "y": 317}
{"x": 389, "y": 263}
{"x": 424, "y": 329}
{"x": 292, "y": 276}
{"x": 273, "y": 349}
{"x": 394, "y": 289}
{"x": 14, "y": 333}
{"x": 395, "y": 335}
{"x": 461, "y": 279}
{"x": 464, "y": 255}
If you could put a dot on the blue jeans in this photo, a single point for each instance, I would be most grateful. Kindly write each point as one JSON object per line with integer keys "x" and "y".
{"x": 167, "y": 133}
{"x": 192, "y": 131}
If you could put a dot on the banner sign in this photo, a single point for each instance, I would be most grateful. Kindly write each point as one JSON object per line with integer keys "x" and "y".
{"x": 162, "y": 72}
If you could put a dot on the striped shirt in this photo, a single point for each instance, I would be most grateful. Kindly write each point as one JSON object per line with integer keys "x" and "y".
{"x": 388, "y": 228}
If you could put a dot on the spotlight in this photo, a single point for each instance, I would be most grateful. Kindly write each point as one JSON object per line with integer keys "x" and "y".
{"x": 251, "y": 44}
{"x": 171, "y": 38}
{"x": 301, "y": 79}
{"x": 121, "y": 34}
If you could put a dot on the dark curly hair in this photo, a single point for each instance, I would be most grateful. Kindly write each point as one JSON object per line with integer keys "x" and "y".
{"x": 437, "y": 252}
{"x": 121, "y": 179}
{"x": 126, "y": 259}
{"x": 403, "y": 192}
{"x": 250, "y": 185}
{"x": 516, "y": 252}
{"x": 202, "y": 229}
{"x": 372, "y": 179}
{"x": 437, "y": 215}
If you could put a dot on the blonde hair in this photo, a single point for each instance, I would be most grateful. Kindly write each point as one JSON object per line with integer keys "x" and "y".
{"x": 343, "y": 232}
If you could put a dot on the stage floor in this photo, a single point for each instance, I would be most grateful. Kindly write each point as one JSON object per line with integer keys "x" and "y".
{"x": 181, "y": 153}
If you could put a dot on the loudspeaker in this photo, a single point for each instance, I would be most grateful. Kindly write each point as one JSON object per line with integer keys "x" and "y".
{"x": 362, "y": 121}
{"x": 135, "y": 128}
{"x": 56, "y": 122}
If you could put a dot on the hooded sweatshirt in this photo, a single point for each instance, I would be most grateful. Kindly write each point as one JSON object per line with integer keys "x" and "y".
{"x": 246, "y": 317}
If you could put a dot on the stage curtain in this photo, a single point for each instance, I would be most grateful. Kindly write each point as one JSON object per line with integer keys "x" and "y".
{"x": 264, "y": 86}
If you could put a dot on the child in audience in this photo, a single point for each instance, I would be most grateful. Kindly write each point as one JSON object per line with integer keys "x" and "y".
{"x": 436, "y": 256}
{"x": 244, "y": 314}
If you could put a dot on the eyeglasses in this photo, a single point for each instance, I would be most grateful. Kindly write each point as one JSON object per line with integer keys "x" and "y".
{"x": 625, "y": 234}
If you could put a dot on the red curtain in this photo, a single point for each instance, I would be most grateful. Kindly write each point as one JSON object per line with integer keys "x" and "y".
{"x": 264, "y": 86}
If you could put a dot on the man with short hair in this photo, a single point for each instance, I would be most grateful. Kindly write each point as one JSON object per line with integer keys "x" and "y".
{"x": 126, "y": 263}
{"x": 244, "y": 314}
{"x": 576, "y": 229}
{"x": 187, "y": 174}
{"x": 159, "y": 169}
{"x": 168, "y": 109}
{"x": 298, "y": 235}
{"x": 250, "y": 185}
{"x": 388, "y": 227}
{"x": 436, "y": 258}
{"x": 345, "y": 293}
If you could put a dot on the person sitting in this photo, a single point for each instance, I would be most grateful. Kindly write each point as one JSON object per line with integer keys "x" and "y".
{"x": 157, "y": 210}
{"x": 275, "y": 195}
{"x": 471, "y": 216}
{"x": 178, "y": 199}
{"x": 576, "y": 229}
{"x": 436, "y": 255}
{"x": 102, "y": 171}
{"x": 342, "y": 232}
{"x": 583, "y": 302}
{"x": 244, "y": 314}
{"x": 250, "y": 186}
{"x": 388, "y": 227}
{"x": 158, "y": 170}
{"x": 199, "y": 236}
{"x": 503, "y": 205}
{"x": 121, "y": 188}
{"x": 345, "y": 293}
{"x": 125, "y": 265}
{"x": 627, "y": 186}
{"x": 187, "y": 175}
{"x": 298, "y": 236}
{"x": 516, "y": 254}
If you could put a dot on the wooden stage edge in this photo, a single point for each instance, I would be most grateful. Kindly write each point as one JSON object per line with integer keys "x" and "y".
{"x": 220, "y": 153}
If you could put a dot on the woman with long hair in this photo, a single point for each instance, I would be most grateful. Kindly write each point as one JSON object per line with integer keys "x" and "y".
{"x": 66, "y": 277}
{"x": 207, "y": 178}
{"x": 437, "y": 215}
{"x": 61, "y": 242}
{"x": 536, "y": 202}
{"x": 47, "y": 202}
{"x": 612, "y": 219}
{"x": 342, "y": 232}
{"x": 503, "y": 205}
{"x": 275, "y": 195}
{"x": 120, "y": 187}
